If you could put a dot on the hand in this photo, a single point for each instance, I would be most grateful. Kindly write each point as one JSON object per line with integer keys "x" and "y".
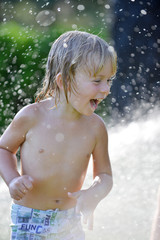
{"x": 19, "y": 186}
{"x": 85, "y": 205}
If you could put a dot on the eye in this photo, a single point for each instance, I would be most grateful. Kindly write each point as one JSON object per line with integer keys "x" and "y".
{"x": 109, "y": 81}
{"x": 97, "y": 81}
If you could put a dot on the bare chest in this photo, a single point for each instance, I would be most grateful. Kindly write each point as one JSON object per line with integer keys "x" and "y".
{"x": 60, "y": 144}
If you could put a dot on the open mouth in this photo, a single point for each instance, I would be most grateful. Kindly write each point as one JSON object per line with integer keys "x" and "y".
{"x": 94, "y": 103}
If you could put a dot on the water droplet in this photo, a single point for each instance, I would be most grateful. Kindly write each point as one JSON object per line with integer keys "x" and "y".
{"x": 48, "y": 126}
{"x": 113, "y": 100}
{"x": 107, "y": 6}
{"x": 74, "y": 26}
{"x": 121, "y": 29}
{"x": 154, "y": 27}
{"x": 65, "y": 45}
{"x": 110, "y": 49}
{"x": 136, "y": 29}
{"x": 67, "y": 1}
{"x": 20, "y": 91}
{"x": 80, "y": 7}
{"x": 101, "y": 15}
{"x": 14, "y": 60}
{"x": 144, "y": 12}
{"x": 45, "y": 18}
{"x": 59, "y": 137}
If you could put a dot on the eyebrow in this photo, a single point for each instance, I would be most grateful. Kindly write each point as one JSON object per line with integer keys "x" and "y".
{"x": 101, "y": 76}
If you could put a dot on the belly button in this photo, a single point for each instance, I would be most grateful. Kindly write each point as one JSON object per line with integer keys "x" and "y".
{"x": 57, "y": 201}
{"x": 41, "y": 150}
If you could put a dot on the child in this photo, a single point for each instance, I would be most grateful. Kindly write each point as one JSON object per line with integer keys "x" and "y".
{"x": 57, "y": 136}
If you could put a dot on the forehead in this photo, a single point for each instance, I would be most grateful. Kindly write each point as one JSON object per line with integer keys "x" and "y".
{"x": 83, "y": 75}
{"x": 104, "y": 72}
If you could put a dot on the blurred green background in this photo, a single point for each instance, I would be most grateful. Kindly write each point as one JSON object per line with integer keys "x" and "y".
{"x": 27, "y": 30}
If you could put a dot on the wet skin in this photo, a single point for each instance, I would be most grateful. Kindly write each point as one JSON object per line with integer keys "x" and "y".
{"x": 55, "y": 147}
{"x": 57, "y": 163}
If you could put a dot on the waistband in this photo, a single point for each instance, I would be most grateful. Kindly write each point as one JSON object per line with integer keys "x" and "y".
{"x": 59, "y": 213}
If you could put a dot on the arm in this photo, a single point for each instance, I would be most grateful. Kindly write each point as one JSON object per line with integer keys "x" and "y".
{"x": 8, "y": 165}
{"x": 155, "y": 234}
{"x": 10, "y": 141}
{"x": 102, "y": 172}
{"x": 88, "y": 199}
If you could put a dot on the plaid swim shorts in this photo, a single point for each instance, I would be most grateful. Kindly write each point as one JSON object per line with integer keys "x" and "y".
{"x": 34, "y": 224}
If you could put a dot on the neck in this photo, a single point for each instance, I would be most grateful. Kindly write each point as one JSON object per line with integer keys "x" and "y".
{"x": 67, "y": 112}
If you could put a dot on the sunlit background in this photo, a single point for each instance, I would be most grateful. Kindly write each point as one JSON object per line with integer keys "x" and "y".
{"x": 131, "y": 112}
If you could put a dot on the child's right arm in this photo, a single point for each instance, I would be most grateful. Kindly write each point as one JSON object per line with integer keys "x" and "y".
{"x": 10, "y": 141}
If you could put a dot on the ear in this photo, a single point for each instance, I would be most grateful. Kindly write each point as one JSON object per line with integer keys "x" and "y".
{"x": 59, "y": 80}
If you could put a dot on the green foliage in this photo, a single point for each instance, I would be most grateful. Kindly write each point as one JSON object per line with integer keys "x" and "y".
{"x": 22, "y": 66}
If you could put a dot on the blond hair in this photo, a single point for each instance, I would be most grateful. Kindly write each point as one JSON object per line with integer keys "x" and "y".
{"x": 70, "y": 51}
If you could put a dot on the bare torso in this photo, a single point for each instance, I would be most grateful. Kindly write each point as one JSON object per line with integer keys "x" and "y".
{"x": 55, "y": 154}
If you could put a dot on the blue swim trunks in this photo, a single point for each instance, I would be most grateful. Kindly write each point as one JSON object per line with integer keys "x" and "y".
{"x": 33, "y": 224}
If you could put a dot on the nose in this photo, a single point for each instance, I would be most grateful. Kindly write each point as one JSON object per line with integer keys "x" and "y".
{"x": 105, "y": 88}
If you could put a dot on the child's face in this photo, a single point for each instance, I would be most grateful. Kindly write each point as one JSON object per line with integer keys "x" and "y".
{"x": 90, "y": 90}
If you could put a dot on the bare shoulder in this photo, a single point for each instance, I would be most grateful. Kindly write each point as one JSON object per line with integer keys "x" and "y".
{"x": 98, "y": 125}
{"x": 31, "y": 114}
{"x": 27, "y": 115}
{"x": 16, "y": 132}
{"x": 15, "y": 135}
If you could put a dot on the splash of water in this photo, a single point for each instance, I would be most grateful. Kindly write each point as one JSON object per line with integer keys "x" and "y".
{"x": 128, "y": 210}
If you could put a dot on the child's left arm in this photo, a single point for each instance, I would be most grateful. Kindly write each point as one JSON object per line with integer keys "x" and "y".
{"x": 88, "y": 199}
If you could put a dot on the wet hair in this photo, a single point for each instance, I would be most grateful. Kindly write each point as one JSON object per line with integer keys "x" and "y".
{"x": 71, "y": 51}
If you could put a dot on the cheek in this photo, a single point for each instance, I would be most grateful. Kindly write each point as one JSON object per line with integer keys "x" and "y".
{"x": 76, "y": 103}
{"x": 75, "y": 99}
{"x": 93, "y": 88}
{"x": 90, "y": 88}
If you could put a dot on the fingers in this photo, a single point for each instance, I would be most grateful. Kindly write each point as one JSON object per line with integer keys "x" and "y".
{"x": 28, "y": 183}
{"x": 87, "y": 213}
{"x": 19, "y": 186}
{"x": 85, "y": 218}
{"x": 74, "y": 195}
{"x": 24, "y": 184}
{"x": 90, "y": 222}
{"x": 88, "y": 219}
{"x": 16, "y": 193}
{"x": 78, "y": 209}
